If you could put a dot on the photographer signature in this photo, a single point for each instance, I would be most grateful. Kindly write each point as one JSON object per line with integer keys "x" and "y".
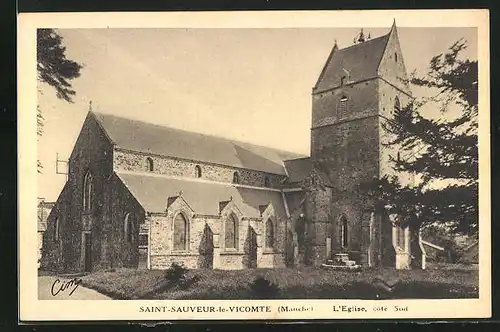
{"x": 61, "y": 286}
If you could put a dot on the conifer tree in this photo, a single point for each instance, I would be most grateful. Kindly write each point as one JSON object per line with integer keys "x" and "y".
{"x": 54, "y": 69}
{"x": 443, "y": 148}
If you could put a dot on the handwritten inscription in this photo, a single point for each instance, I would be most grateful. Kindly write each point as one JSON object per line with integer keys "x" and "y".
{"x": 59, "y": 286}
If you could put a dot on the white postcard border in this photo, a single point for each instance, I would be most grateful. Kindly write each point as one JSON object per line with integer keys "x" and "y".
{"x": 32, "y": 309}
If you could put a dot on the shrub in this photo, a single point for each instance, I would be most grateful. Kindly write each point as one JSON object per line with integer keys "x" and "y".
{"x": 262, "y": 288}
{"x": 176, "y": 273}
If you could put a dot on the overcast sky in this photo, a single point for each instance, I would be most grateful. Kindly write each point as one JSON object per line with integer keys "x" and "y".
{"x": 251, "y": 85}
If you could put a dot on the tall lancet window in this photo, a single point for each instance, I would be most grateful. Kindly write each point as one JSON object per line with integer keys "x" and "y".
{"x": 231, "y": 232}
{"x": 88, "y": 188}
{"x": 344, "y": 236}
{"x": 56, "y": 229}
{"x": 180, "y": 232}
{"x": 269, "y": 234}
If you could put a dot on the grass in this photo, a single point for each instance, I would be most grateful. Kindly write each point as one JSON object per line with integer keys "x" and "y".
{"x": 298, "y": 283}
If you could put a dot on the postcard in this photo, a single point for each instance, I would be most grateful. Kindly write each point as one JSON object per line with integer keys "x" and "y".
{"x": 284, "y": 165}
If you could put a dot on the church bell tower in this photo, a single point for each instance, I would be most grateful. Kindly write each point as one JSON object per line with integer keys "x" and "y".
{"x": 359, "y": 87}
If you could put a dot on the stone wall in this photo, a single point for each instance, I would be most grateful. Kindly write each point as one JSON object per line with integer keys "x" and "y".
{"x": 361, "y": 102}
{"x": 134, "y": 161}
{"x": 92, "y": 152}
{"x": 206, "y": 244}
{"x": 116, "y": 250}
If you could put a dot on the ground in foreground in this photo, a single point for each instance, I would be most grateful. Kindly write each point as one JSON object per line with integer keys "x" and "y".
{"x": 288, "y": 283}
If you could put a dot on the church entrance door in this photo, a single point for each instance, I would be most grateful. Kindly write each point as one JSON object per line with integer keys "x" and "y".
{"x": 87, "y": 252}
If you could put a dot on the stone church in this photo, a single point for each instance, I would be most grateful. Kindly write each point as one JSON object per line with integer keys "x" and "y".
{"x": 144, "y": 196}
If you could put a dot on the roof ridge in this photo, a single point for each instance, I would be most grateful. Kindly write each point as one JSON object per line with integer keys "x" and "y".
{"x": 285, "y": 160}
{"x": 235, "y": 141}
{"x": 364, "y": 43}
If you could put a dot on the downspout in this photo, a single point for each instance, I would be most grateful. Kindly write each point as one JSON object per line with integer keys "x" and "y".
{"x": 148, "y": 265}
{"x": 286, "y": 224}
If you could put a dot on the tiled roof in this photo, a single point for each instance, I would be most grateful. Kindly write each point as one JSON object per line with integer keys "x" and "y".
{"x": 204, "y": 197}
{"x": 361, "y": 62}
{"x": 298, "y": 169}
{"x": 150, "y": 138}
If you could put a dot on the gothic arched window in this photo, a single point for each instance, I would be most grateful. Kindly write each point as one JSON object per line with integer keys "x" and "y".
{"x": 231, "y": 233}
{"x": 343, "y": 107}
{"x": 128, "y": 228}
{"x": 344, "y": 236}
{"x": 236, "y": 177}
{"x": 88, "y": 188}
{"x": 269, "y": 234}
{"x": 56, "y": 229}
{"x": 180, "y": 232}
{"x": 149, "y": 164}
{"x": 197, "y": 171}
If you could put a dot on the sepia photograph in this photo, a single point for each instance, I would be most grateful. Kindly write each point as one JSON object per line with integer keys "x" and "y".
{"x": 255, "y": 163}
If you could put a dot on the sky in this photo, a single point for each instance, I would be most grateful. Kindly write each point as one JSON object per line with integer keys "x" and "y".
{"x": 251, "y": 85}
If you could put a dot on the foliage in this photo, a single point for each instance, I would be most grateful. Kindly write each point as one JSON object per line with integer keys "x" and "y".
{"x": 442, "y": 152}
{"x": 264, "y": 289}
{"x": 54, "y": 69}
{"x": 176, "y": 273}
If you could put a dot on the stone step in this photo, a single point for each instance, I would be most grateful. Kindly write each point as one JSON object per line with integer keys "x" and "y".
{"x": 341, "y": 267}
{"x": 341, "y": 259}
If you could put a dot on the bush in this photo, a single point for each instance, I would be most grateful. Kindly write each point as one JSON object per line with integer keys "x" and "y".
{"x": 176, "y": 274}
{"x": 262, "y": 288}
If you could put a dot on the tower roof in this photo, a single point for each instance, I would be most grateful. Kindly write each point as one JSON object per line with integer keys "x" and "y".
{"x": 356, "y": 63}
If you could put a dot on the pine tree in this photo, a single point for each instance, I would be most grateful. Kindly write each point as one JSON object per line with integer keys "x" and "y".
{"x": 443, "y": 149}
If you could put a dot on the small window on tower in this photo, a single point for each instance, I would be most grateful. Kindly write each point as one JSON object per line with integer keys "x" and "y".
{"x": 236, "y": 178}
{"x": 342, "y": 80}
{"x": 149, "y": 164}
{"x": 343, "y": 107}
{"x": 266, "y": 182}
{"x": 197, "y": 171}
{"x": 396, "y": 57}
